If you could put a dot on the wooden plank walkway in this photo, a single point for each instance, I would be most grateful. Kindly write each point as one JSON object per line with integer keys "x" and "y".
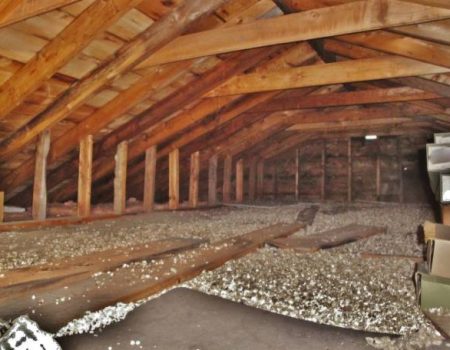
{"x": 124, "y": 285}
{"x": 328, "y": 239}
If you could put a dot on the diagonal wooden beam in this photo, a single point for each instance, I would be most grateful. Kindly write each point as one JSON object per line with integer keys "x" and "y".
{"x": 12, "y": 11}
{"x": 331, "y": 73}
{"x": 131, "y": 54}
{"x": 79, "y": 33}
{"x": 372, "y": 96}
{"x": 313, "y": 24}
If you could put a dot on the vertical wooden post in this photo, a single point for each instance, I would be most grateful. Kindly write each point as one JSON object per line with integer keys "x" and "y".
{"x": 378, "y": 178}
{"x": 149, "y": 179}
{"x": 174, "y": 179}
{"x": 39, "y": 209}
{"x": 193, "y": 179}
{"x": 227, "y": 169}
{"x": 85, "y": 176}
{"x": 400, "y": 170}
{"x": 275, "y": 180}
{"x": 212, "y": 180}
{"x": 240, "y": 181}
{"x": 349, "y": 170}
{"x": 297, "y": 174}
{"x": 323, "y": 177}
{"x": 445, "y": 213}
{"x": 2, "y": 206}
{"x": 252, "y": 180}
{"x": 120, "y": 178}
{"x": 260, "y": 179}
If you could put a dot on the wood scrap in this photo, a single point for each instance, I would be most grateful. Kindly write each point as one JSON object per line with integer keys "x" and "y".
{"x": 441, "y": 322}
{"x": 370, "y": 255}
{"x": 328, "y": 239}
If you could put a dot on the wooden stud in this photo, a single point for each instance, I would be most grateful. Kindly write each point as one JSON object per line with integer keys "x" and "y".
{"x": 297, "y": 174}
{"x": 260, "y": 179}
{"x": 85, "y": 176}
{"x": 174, "y": 179}
{"x": 275, "y": 181}
{"x": 2, "y": 206}
{"x": 378, "y": 177}
{"x": 252, "y": 180}
{"x": 227, "y": 170}
{"x": 120, "y": 178}
{"x": 445, "y": 213}
{"x": 193, "y": 179}
{"x": 240, "y": 181}
{"x": 39, "y": 209}
{"x": 212, "y": 180}
{"x": 400, "y": 170}
{"x": 149, "y": 180}
{"x": 349, "y": 170}
{"x": 323, "y": 175}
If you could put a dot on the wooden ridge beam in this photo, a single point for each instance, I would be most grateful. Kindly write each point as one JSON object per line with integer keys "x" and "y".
{"x": 12, "y": 11}
{"x": 312, "y": 24}
{"x": 331, "y": 73}
{"x": 131, "y": 54}
{"x": 79, "y": 33}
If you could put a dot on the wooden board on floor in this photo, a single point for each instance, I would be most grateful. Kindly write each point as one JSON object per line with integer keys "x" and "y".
{"x": 441, "y": 322}
{"x": 124, "y": 286}
{"x": 328, "y": 239}
{"x": 86, "y": 265}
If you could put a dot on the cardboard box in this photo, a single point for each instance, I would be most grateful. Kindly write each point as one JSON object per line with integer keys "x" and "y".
{"x": 433, "y": 230}
{"x": 438, "y": 258}
{"x": 441, "y": 138}
{"x": 432, "y": 291}
{"x": 438, "y": 157}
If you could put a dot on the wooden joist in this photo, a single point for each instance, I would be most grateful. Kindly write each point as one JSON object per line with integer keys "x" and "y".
{"x": 83, "y": 267}
{"x": 352, "y": 17}
{"x": 120, "y": 178}
{"x": 13, "y": 11}
{"x": 252, "y": 179}
{"x": 227, "y": 170}
{"x": 240, "y": 181}
{"x": 85, "y": 176}
{"x": 39, "y": 207}
{"x": 174, "y": 179}
{"x": 169, "y": 274}
{"x": 328, "y": 239}
{"x": 260, "y": 179}
{"x": 134, "y": 52}
{"x": 79, "y": 33}
{"x": 194, "y": 175}
{"x": 212, "y": 180}
{"x": 150, "y": 178}
{"x": 331, "y": 73}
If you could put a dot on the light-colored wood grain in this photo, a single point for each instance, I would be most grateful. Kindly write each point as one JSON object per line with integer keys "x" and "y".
{"x": 39, "y": 207}
{"x": 174, "y": 179}
{"x": 85, "y": 176}
{"x": 120, "y": 178}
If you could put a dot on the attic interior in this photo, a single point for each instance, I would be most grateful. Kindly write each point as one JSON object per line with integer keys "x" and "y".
{"x": 224, "y": 174}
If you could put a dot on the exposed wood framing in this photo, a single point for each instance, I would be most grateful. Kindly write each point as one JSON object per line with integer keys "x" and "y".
{"x": 400, "y": 170}
{"x": 150, "y": 178}
{"x": 260, "y": 179}
{"x": 17, "y": 10}
{"x": 297, "y": 174}
{"x": 252, "y": 179}
{"x": 378, "y": 177}
{"x": 120, "y": 178}
{"x": 2, "y": 206}
{"x": 194, "y": 179}
{"x": 39, "y": 208}
{"x": 353, "y": 17}
{"x": 212, "y": 180}
{"x": 85, "y": 176}
{"x": 240, "y": 181}
{"x": 323, "y": 172}
{"x": 349, "y": 170}
{"x": 174, "y": 179}
{"x": 144, "y": 45}
{"x": 331, "y": 73}
{"x": 227, "y": 172}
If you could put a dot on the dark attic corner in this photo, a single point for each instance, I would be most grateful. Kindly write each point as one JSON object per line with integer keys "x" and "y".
{"x": 224, "y": 174}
